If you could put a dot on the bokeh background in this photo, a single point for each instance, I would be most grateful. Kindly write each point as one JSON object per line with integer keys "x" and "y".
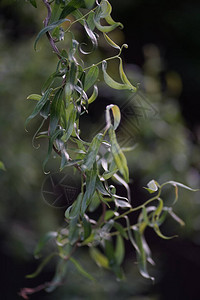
{"x": 163, "y": 121}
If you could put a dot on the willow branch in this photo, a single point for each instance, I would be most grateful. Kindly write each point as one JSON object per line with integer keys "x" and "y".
{"x": 46, "y": 22}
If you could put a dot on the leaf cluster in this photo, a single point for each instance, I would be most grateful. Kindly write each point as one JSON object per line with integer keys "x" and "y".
{"x": 65, "y": 97}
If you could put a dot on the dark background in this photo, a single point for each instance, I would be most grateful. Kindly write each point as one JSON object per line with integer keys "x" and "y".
{"x": 164, "y": 47}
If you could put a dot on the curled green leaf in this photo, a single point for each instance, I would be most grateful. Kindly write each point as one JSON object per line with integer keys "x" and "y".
{"x": 111, "y": 82}
{"x": 34, "y": 97}
{"x": 116, "y": 115}
{"x": 81, "y": 269}
{"x": 48, "y": 28}
{"x": 110, "y": 42}
{"x": 118, "y": 155}
{"x": 39, "y": 106}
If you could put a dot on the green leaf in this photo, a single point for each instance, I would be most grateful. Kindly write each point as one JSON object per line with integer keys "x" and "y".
{"x": 45, "y": 110}
{"x": 72, "y": 79}
{"x": 48, "y": 28}
{"x": 147, "y": 251}
{"x": 116, "y": 115}
{"x": 43, "y": 241}
{"x": 174, "y": 183}
{"x": 55, "y": 111}
{"x": 92, "y": 152}
{"x": 100, "y": 187}
{"x": 141, "y": 256}
{"x": 158, "y": 211}
{"x": 69, "y": 119}
{"x": 74, "y": 210}
{"x": 111, "y": 82}
{"x": 56, "y": 11}
{"x": 59, "y": 276}
{"x": 107, "y": 28}
{"x": 51, "y": 141}
{"x": 50, "y": 80}
{"x": 2, "y": 166}
{"x": 152, "y": 186}
{"x": 110, "y": 253}
{"x": 175, "y": 217}
{"x": 100, "y": 259}
{"x": 80, "y": 269}
{"x": 89, "y": 3}
{"x": 87, "y": 227}
{"x": 130, "y": 235}
{"x": 120, "y": 250}
{"x": 90, "y": 20}
{"x": 123, "y": 204}
{"x": 104, "y": 10}
{"x": 39, "y": 106}
{"x": 71, "y": 6}
{"x": 159, "y": 233}
{"x": 94, "y": 95}
{"x": 123, "y": 76}
{"x": 118, "y": 155}
{"x": 109, "y": 214}
{"x": 33, "y": 2}
{"x": 73, "y": 231}
{"x": 95, "y": 202}
{"x": 91, "y": 35}
{"x": 121, "y": 230}
{"x": 41, "y": 266}
{"x": 110, "y": 42}
{"x": 34, "y": 97}
{"x": 90, "y": 188}
{"x": 112, "y": 257}
{"x": 36, "y": 133}
{"x": 91, "y": 77}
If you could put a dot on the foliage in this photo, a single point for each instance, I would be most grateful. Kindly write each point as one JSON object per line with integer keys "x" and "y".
{"x": 66, "y": 96}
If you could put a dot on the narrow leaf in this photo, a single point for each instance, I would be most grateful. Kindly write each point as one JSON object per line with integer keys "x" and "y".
{"x": 34, "y": 97}
{"x": 74, "y": 210}
{"x": 91, "y": 77}
{"x": 43, "y": 241}
{"x": 87, "y": 227}
{"x": 80, "y": 269}
{"x": 111, "y": 82}
{"x": 123, "y": 76}
{"x": 120, "y": 250}
{"x": 116, "y": 115}
{"x": 122, "y": 204}
{"x": 55, "y": 110}
{"x": 159, "y": 233}
{"x": 110, "y": 42}
{"x": 33, "y": 2}
{"x": 181, "y": 185}
{"x": 39, "y": 106}
{"x": 121, "y": 230}
{"x": 73, "y": 231}
{"x": 41, "y": 266}
{"x": 100, "y": 259}
{"x": 118, "y": 155}
{"x": 48, "y": 28}
{"x": 59, "y": 275}
{"x": 89, "y": 3}
{"x": 91, "y": 155}
{"x": 141, "y": 256}
{"x": 90, "y": 189}
{"x": 94, "y": 95}
{"x": 71, "y": 6}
